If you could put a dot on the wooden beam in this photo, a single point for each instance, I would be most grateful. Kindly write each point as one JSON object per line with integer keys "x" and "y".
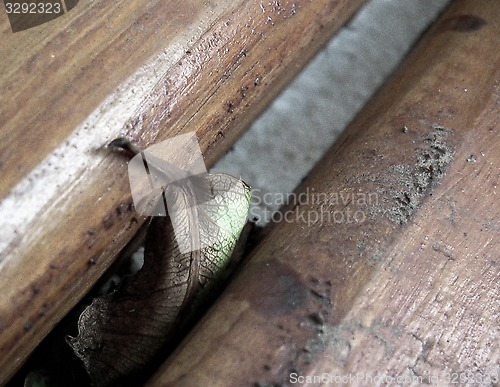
{"x": 108, "y": 69}
{"x": 388, "y": 264}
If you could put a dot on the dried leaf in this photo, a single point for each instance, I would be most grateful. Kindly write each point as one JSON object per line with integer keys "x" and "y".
{"x": 121, "y": 333}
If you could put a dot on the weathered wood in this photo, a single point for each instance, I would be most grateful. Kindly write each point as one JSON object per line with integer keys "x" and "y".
{"x": 108, "y": 69}
{"x": 408, "y": 287}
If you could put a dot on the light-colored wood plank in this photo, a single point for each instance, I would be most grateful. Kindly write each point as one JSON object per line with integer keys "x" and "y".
{"x": 411, "y": 285}
{"x": 108, "y": 69}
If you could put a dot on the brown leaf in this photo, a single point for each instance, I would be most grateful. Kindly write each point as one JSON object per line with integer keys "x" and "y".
{"x": 121, "y": 333}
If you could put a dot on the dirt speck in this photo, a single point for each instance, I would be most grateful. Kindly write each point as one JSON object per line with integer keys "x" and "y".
{"x": 471, "y": 159}
{"x": 317, "y": 318}
{"x": 91, "y": 238}
{"x": 108, "y": 221}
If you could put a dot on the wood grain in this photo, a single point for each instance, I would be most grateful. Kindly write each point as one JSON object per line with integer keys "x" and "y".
{"x": 108, "y": 69}
{"x": 409, "y": 287}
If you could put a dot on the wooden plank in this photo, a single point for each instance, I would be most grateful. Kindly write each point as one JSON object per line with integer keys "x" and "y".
{"x": 388, "y": 264}
{"x": 108, "y": 69}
